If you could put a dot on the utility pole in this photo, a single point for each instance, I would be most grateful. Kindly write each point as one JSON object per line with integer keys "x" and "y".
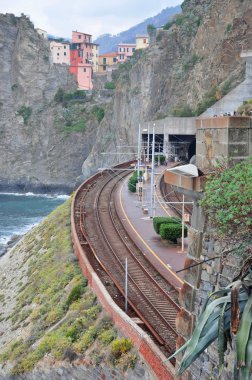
{"x": 152, "y": 173}
{"x": 126, "y": 285}
{"x": 183, "y": 224}
{"x": 148, "y": 145}
{"x": 139, "y": 152}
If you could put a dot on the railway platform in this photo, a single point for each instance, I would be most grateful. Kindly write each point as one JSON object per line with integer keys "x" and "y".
{"x": 134, "y": 213}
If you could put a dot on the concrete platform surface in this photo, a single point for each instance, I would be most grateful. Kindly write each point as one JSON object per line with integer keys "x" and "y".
{"x": 164, "y": 256}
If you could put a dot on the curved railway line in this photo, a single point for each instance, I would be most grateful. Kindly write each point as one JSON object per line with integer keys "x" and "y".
{"x": 99, "y": 228}
{"x": 170, "y": 194}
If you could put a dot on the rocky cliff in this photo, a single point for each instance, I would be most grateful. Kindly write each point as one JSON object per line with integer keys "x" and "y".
{"x": 43, "y": 143}
{"x": 186, "y": 69}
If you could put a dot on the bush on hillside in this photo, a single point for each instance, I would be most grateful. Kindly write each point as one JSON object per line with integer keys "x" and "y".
{"x": 159, "y": 220}
{"x": 172, "y": 231}
{"x": 110, "y": 85}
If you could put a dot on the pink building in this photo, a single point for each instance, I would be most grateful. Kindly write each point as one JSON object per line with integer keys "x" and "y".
{"x": 81, "y": 53}
{"x": 125, "y": 51}
{"x": 60, "y": 52}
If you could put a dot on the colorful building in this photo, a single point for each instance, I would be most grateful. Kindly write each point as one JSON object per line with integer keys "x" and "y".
{"x": 42, "y": 33}
{"x": 60, "y": 52}
{"x": 142, "y": 41}
{"x": 95, "y": 55}
{"x": 125, "y": 51}
{"x": 106, "y": 61}
{"x": 81, "y": 59}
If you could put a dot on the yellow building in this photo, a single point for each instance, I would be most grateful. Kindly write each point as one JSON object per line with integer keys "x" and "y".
{"x": 95, "y": 55}
{"x": 107, "y": 61}
{"x": 142, "y": 41}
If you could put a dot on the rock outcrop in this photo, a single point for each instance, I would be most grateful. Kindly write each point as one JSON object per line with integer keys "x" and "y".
{"x": 38, "y": 151}
{"x": 192, "y": 64}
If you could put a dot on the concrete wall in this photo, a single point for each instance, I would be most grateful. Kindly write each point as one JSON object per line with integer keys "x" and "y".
{"x": 222, "y": 137}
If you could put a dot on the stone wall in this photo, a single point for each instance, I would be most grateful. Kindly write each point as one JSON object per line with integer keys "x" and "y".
{"x": 199, "y": 282}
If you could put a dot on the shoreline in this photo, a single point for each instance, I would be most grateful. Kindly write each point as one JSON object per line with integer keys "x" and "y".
{"x": 8, "y": 242}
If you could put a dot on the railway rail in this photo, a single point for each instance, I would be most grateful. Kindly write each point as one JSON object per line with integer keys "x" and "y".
{"x": 170, "y": 194}
{"x": 151, "y": 297}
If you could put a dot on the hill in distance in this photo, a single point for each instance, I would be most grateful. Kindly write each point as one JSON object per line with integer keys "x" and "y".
{"x": 109, "y": 43}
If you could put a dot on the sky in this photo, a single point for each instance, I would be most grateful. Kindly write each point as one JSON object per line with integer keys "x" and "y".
{"x": 96, "y": 17}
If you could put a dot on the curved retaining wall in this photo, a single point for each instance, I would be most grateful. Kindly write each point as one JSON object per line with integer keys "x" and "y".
{"x": 146, "y": 347}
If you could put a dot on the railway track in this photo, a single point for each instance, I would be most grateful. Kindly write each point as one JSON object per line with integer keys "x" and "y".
{"x": 169, "y": 194}
{"x": 151, "y": 297}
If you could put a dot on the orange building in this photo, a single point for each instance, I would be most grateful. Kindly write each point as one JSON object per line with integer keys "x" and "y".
{"x": 106, "y": 61}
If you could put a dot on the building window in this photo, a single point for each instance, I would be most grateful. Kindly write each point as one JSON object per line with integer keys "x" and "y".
{"x": 114, "y": 59}
{"x": 121, "y": 57}
{"x": 133, "y": 50}
{"x": 122, "y": 49}
{"x": 57, "y": 53}
{"x": 104, "y": 61}
{"x": 104, "y": 68}
{"x": 79, "y": 36}
{"x": 84, "y": 69}
{"x": 64, "y": 46}
{"x": 144, "y": 40}
{"x": 64, "y": 53}
{"x": 80, "y": 53}
{"x": 128, "y": 49}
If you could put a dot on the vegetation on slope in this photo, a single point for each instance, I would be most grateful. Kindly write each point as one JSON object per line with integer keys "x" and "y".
{"x": 227, "y": 199}
{"x": 56, "y": 314}
{"x": 77, "y": 111}
{"x": 226, "y": 314}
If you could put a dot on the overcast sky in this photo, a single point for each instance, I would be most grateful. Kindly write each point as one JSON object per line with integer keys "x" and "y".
{"x": 96, "y": 17}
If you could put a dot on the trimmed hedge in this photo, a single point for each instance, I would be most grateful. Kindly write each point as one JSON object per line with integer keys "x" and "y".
{"x": 172, "y": 231}
{"x": 159, "y": 220}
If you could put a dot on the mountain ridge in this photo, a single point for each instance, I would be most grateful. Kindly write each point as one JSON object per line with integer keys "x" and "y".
{"x": 109, "y": 42}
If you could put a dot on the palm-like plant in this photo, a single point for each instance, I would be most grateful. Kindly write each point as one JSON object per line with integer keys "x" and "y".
{"x": 226, "y": 315}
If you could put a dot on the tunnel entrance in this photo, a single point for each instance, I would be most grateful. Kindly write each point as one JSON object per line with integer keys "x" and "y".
{"x": 181, "y": 147}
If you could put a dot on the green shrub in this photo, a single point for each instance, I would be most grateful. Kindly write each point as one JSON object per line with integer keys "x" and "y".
{"x": 75, "y": 294}
{"x": 59, "y": 96}
{"x": 110, "y": 85}
{"x": 133, "y": 181}
{"x": 25, "y": 112}
{"x": 161, "y": 159}
{"x": 107, "y": 336}
{"x": 98, "y": 112}
{"x": 229, "y": 211}
{"x": 159, "y": 220}
{"x": 120, "y": 347}
{"x": 172, "y": 231}
{"x": 182, "y": 111}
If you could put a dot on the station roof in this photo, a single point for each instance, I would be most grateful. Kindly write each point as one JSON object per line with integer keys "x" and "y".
{"x": 189, "y": 170}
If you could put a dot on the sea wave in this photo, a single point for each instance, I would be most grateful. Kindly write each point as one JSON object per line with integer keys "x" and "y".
{"x": 29, "y": 194}
{"x": 4, "y": 240}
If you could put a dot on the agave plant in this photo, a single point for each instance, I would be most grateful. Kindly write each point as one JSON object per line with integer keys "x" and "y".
{"x": 226, "y": 315}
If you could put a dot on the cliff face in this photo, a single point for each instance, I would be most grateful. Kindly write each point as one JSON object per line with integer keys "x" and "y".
{"x": 195, "y": 61}
{"x": 38, "y": 149}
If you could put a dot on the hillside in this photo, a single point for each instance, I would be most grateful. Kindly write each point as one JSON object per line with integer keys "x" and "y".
{"x": 52, "y": 325}
{"x": 189, "y": 66}
{"x": 43, "y": 142}
{"x": 109, "y": 43}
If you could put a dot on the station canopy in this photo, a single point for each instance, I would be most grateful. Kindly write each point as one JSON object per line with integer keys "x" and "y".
{"x": 188, "y": 170}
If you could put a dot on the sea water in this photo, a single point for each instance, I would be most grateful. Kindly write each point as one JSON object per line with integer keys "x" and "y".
{"x": 20, "y": 212}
